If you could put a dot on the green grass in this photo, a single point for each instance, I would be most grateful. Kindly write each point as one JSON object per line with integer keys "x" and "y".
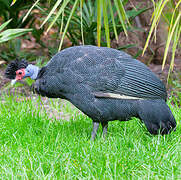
{"x": 34, "y": 146}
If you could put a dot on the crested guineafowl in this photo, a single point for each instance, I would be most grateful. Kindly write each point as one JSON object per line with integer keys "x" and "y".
{"x": 104, "y": 83}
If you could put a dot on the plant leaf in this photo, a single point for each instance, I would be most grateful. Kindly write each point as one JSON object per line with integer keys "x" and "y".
{"x": 68, "y": 21}
{"x": 121, "y": 14}
{"x": 106, "y": 24}
{"x": 10, "y": 34}
{"x": 156, "y": 16}
{"x": 126, "y": 46}
{"x": 51, "y": 12}
{"x": 13, "y": 2}
{"x": 170, "y": 35}
{"x": 81, "y": 23}
{"x": 27, "y": 14}
{"x": 99, "y": 22}
{"x": 113, "y": 21}
{"x": 62, "y": 8}
{"x": 4, "y": 24}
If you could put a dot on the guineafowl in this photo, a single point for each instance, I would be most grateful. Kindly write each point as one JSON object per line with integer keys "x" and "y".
{"x": 104, "y": 83}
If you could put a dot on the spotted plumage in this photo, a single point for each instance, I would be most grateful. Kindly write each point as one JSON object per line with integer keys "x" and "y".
{"x": 105, "y": 84}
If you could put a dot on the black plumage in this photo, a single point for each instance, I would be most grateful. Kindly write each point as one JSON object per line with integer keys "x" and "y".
{"x": 10, "y": 72}
{"x": 107, "y": 84}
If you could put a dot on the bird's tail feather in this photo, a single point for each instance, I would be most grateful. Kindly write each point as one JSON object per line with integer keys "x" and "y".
{"x": 157, "y": 116}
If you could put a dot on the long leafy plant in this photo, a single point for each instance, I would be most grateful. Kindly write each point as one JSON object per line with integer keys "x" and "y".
{"x": 84, "y": 30}
{"x": 9, "y": 34}
{"x": 102, "y": 20}
{"x": 171, "y": 12}
{"x": 105, "y": 7}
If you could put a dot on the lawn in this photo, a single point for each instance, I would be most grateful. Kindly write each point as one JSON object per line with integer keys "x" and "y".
{"x": 34, "y": 144}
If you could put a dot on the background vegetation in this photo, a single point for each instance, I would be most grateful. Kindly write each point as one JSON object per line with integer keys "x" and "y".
{"x": 100, "y": 21}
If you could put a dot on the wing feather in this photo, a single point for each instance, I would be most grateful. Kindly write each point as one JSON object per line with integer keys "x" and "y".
{"x": 105, "y": 70}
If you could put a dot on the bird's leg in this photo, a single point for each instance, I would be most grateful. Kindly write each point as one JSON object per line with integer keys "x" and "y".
{"x": 94, "y": 131}
{"x": 104, "y": 127}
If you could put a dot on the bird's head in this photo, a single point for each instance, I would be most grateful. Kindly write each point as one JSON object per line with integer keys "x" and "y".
{"x": 18, "y": 70}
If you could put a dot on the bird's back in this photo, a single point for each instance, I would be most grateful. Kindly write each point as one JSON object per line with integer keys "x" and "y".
{"x": 106, "y": 70}
{"x": 86, "y": 53}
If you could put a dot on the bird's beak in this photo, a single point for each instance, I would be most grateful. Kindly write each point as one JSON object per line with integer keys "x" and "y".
{"x": 19, "y": 75}
{"x": 13, "y": 82}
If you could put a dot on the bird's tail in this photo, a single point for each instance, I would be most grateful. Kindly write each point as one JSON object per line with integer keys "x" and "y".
{"x": 157, "y": 116}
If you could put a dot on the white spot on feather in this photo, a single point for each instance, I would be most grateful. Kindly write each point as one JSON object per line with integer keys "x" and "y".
{"x": 115, "y": 96}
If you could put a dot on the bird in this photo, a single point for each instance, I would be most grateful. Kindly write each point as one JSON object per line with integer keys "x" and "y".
{"x": 104, "y": 83}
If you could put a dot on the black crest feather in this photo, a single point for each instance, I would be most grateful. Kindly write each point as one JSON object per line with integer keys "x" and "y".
{"x": 11, "y": 69}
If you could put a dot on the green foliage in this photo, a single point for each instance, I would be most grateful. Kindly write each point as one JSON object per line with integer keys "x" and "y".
{"x": 94, "y": 22}
{"x": 83, "y": 25}
{"x": 88, "y": 23}
{"x": 13, "y": 51}
{"x": 9, "y": 11}
{"x": 175, "y": 84}
{"x": 35, "y": 146}
{"x": 74, "y": 5}
{"x": 170, "y": 11}
{"x": 10, "y": 34}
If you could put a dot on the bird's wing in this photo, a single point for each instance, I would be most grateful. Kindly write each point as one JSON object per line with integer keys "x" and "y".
{"x": 105, "y": 72}
{"x": 139, "y": 81}
{"x": 120, "y": 78}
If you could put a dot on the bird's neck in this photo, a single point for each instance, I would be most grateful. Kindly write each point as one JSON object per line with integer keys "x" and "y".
{"x": 36, "y": 70}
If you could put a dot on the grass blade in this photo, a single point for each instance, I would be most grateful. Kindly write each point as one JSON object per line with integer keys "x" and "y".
{"x": 62, "y": 22}
{"x": 173, "y": 25}
{"x": 86, "y": 12}
{"x": 122, "y": 11}
{"x": 13, "y": 2}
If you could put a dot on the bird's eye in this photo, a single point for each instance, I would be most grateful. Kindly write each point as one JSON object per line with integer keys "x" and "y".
{"x": 20, "y": 73}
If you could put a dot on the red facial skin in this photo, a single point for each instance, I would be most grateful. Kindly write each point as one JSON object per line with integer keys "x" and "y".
{"x": 20, "y": 74}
